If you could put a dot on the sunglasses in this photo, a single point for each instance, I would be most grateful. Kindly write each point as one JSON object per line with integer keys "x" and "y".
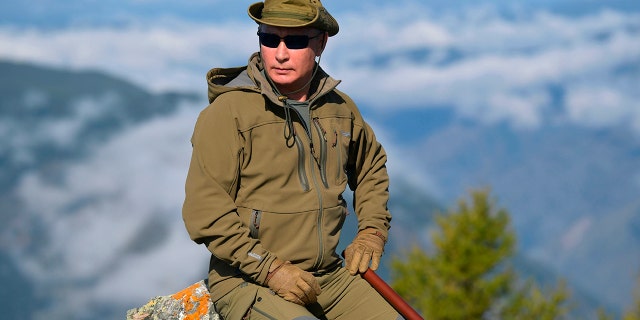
{"x": 291, "y": 41}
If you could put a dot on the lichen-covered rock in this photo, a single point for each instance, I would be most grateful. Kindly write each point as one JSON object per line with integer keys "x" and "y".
{"x": 192, "y": 303}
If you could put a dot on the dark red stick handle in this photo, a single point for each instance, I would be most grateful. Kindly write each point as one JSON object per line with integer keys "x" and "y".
{"x": 391, "y": 296}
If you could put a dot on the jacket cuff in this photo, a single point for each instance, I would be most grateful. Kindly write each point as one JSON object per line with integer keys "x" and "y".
{"x": 261, "y": 277}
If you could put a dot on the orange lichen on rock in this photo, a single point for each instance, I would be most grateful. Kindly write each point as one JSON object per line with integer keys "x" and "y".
{"x": 192, "y": 303}
{"x": 195, "y": 300}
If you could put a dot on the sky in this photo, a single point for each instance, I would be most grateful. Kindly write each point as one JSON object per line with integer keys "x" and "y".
{"x": 486, "y": 61}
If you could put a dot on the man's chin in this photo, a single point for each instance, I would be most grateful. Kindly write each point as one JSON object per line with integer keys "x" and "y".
{"x": 282, "y": 79}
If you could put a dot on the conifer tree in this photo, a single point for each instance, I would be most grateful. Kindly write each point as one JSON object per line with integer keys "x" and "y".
{"x": 634, "y": 312}
{"x": 468, "y": 276}
{"x": 466, "y": 273}
{"x": 533, "y": 303}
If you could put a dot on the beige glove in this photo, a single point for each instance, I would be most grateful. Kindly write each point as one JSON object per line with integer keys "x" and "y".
{"x": 292, "y": 283}
{"x": 366, "y": 247}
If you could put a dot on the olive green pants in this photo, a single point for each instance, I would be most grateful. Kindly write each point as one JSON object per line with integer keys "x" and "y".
{"x": 343, "y": 297}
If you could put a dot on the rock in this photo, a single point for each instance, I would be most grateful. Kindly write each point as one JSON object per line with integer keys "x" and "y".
{"x": 192, "y": 303}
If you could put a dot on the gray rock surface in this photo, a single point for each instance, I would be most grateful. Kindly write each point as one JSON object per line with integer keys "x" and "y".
{"x": 192, "y": 303}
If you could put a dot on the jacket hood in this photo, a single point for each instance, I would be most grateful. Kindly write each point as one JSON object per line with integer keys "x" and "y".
{"x": 251, "y": 78}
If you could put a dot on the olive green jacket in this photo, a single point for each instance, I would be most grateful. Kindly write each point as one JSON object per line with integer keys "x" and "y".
{"x": 261, "y": 185}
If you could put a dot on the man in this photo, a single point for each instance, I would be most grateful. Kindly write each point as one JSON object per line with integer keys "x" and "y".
{"x": 272, "y": 155}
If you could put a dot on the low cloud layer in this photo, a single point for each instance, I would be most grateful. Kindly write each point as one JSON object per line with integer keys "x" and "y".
{"x": 112, "y": 221}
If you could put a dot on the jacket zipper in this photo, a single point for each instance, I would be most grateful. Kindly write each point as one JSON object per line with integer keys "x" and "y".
{"x": 320, "y": 255}
{"x": 305, "y": 182}
{"x": 321, "y": 163}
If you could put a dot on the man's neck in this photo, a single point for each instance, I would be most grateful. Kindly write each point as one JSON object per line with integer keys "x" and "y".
{"x": 298, "y": 94}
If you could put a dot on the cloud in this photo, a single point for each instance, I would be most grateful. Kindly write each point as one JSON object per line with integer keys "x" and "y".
{"x": 603, "y": 106}
{"x": 114, "y": 227}
{"x": 171, "y": 55}
{"x": 576, "y": 234}
{"x": 23, "y": 146}
{"x": 485, "y": 65}
{"x": 489, "y": 67}
{"x": 479, "y": 61}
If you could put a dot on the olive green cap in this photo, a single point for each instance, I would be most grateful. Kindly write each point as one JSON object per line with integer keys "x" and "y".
{"x": 294, "y": 13}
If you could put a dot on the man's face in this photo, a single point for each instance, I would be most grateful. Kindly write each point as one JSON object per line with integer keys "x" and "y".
{"x": 291, "y": 69}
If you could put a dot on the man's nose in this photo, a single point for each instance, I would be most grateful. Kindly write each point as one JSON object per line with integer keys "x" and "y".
{"x": 282, "y": 52}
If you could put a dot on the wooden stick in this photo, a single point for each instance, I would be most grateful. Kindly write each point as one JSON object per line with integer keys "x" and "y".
{"x": 391, "y": 296}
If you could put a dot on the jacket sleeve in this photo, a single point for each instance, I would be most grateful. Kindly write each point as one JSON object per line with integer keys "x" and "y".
{"x": 209, "y": 210}
{"x": 368, "y": 178}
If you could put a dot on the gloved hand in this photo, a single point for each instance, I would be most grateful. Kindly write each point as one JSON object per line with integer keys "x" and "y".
{"x": 366, "y": 247}
{"x": 292, "y": 283}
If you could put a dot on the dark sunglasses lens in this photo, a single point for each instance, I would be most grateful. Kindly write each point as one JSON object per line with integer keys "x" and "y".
{"x": 296, "y": 42}
{"x": 292, "y": 42}
{"x": 269, "y": 40}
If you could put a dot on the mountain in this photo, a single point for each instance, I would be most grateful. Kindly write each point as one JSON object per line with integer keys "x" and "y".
{"x": 52, "y": 115}
{"x": 572, "y": 191}
{"x": 53, "y": 120}
{"x": 92, "y": 179}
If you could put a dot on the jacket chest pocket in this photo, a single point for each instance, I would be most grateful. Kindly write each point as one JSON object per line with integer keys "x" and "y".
{"x": 339, "y": 141}
{"x": 254, "y": 223}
